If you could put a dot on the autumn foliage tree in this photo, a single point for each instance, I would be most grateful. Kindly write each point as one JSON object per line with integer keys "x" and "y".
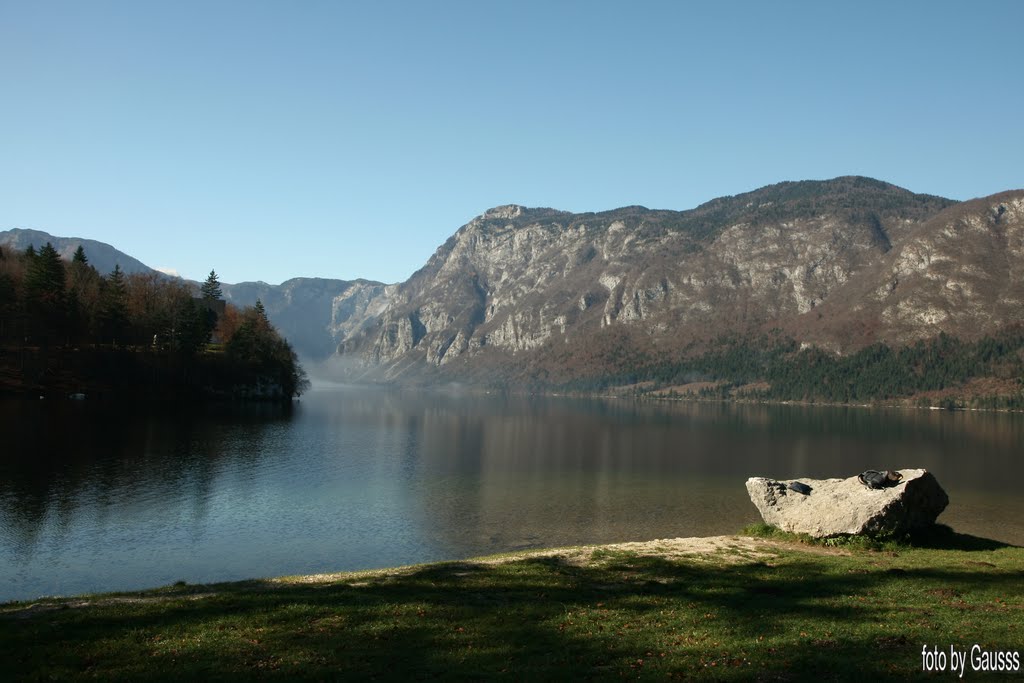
{"x": 257, "y": 345}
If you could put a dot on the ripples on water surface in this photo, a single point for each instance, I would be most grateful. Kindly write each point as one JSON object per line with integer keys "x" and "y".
{"x": 92, "y": 500}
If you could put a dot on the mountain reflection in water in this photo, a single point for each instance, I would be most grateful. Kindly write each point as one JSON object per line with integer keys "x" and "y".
{"x": 94, "y": 499}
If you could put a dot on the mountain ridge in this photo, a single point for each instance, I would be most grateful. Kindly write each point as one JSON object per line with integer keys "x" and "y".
{"x": 101, "y": 255}
{"x": 526, "y": 294}
{"x": 539, "y": 293}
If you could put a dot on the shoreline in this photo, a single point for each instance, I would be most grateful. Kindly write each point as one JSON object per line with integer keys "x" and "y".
{"x": 664, "y": 547}
{"x": 729, "y": 607}
{"x": 696, "y": 548}
{"x": 822, "y": 404}
{"x": 887, "y": 404}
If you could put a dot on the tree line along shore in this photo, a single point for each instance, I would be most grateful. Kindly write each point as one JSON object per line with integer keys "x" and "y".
{"x": 68, "y": 331}
{"x": 944, "y": 371}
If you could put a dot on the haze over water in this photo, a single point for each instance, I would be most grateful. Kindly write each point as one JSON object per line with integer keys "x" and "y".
{"x": 357, "y": 478}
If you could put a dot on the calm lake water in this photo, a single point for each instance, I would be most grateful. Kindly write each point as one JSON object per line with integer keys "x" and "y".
{"x": 357, "y": 478}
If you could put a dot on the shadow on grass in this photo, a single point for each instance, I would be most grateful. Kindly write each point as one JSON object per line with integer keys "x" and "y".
{"x": 786, "y": 616}
{"x": 934, "y": 537}
{"x": 942, "y": 537}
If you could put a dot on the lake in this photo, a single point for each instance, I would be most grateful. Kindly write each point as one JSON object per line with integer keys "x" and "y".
{"x": 93, "y": 499}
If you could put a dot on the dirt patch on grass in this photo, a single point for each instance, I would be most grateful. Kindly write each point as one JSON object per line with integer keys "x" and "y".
{"x": 727, "y": 548}
{"x": 713, "y": 548}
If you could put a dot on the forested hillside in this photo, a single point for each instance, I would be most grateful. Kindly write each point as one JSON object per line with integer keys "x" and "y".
{"x": 944, "y": 371}
{"x": 67, "y": 329}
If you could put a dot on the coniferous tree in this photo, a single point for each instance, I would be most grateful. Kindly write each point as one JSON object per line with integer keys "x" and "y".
{"x": 210, "y": 292}
{"x": 46, "y": 278}
{"x": 45, "y": 283}
{"x": 261, "y": 314}
{"x": 83, "y": 293}
{"x": 211, "y": 288}
{"x": 113, "y": 312}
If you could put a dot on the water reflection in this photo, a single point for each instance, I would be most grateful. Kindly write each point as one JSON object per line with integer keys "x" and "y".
{"x": 95, "y": 500}
{"x": 553, "y": 472}
{"x": 77, "y": 481}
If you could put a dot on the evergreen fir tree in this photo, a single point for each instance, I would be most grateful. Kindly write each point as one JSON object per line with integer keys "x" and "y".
{"x": 84, "y": 286}
{"x": 45, "y": 282}
{"x": 116, "y": 281}
{"x": 114, "y": 307}
{"x": 210, "y": 292}
{"x": 45, "y": 277}
{"x": 261, "y": 314}
{"x": 211, "y": 288}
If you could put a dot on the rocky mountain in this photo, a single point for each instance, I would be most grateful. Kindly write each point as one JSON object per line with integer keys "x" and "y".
{"x": 312, "y": 313}
{"x": 540, "y": 294}
{"x": 530, "y": 294}
{"x": 961, "y": 272}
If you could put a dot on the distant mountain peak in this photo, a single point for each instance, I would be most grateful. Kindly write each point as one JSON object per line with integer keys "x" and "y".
{"x": 101, "y": 255}
{"x": 519, "y": 214}
{"x": 504, "y": 211}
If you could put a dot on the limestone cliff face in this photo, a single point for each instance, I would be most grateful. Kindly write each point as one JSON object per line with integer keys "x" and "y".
{"x": 518, "y": 291}
{"x": 962, "y": 272}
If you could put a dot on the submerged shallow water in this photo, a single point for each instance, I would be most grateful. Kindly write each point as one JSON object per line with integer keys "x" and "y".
{"x": 95, "y": 500}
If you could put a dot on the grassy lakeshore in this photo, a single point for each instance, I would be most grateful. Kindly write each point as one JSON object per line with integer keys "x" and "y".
{"x": 767, "y": 607}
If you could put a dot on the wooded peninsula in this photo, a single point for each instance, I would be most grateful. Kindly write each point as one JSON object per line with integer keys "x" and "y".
{"x": 68, "y": 331}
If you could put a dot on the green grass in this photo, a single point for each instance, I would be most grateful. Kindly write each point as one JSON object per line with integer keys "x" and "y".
{"x": 784, "y": 610}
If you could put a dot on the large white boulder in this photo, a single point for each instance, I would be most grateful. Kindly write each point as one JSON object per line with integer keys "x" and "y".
{"x": 846, "y": 506}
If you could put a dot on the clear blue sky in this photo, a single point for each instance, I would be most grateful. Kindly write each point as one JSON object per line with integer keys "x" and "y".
{"x": 350, "y": 139}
